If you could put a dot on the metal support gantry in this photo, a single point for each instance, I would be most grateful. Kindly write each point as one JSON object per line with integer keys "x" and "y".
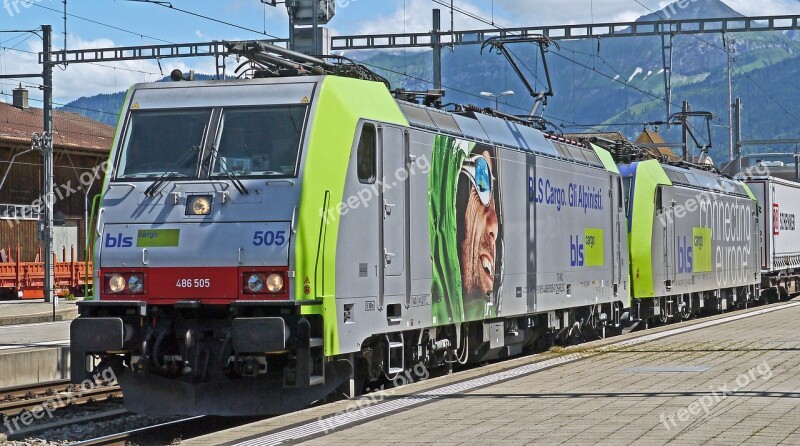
{"x": 569, "y": 32}
{"x": 666, "y": 29}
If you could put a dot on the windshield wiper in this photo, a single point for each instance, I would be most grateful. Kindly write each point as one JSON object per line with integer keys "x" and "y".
{"x": 153, "y": 189}
{"x": 237, "y": 183}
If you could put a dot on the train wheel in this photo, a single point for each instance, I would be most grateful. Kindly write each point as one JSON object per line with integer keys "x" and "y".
{"x": 783, "y": 294}
{"x": 663, "y": 317}
{"x": 769, "y": 295}
{"x": 686, "y": 309}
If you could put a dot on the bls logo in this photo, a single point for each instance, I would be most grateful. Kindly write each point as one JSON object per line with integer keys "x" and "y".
{"x": 118, "y": 242}
{"x": 685, "y": 256}
{"x": 576, "y": 251}
{"x": 776, "y": 219}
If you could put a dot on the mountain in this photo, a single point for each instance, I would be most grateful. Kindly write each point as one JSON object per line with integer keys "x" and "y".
{"x": 611, "y": 83}
{"x": 106, "y": 107}
{"x": 692, "y": 10}
{"x": 618, "y": 83}
{"x": 102, "y": 107}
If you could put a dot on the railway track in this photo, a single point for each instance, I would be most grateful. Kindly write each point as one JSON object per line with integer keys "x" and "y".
{"x": 170, "y": 432}
{"x": 52, "y": 395}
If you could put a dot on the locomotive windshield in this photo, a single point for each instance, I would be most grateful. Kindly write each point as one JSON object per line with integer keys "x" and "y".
{"x": 259, "y": 141}
{"x": 163, "y": 143}
{"x": 248, "y": 141}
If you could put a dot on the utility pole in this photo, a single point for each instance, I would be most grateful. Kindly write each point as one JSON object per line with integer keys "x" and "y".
{"x": 729, "y": 50}
{"x": 44, "y": 142}
{"x": 437, "y": 49}
{"x": 314, "y": 28}
{"x": 47, "y": 165}
{"x": 685, "y": 132}
{"x": 666, "y": 57}
{"x": 796, "y": 164}
{"x": 737, "y": 133}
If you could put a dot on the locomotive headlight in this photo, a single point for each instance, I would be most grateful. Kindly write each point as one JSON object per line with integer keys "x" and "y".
{"x": 255, "y": 283}
{"x": 116, "y": 283}
{"x": 136, "y": 283}
{"x": 199, "y": 205}
{"x": 275, "y": 283}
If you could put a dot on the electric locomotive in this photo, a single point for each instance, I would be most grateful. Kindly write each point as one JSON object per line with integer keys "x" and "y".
{"x": 262, "y": 242}
{"x": 694, "y": 240}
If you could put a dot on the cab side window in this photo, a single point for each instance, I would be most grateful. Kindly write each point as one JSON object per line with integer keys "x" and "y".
{"x": 367, "y": 154}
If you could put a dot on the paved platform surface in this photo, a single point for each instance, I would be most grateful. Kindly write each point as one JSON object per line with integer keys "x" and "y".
{"x": 32, "y": 353}
{"x": 733, "y": 383}
{"x": 18, "y": 312}
{"x": 33, "y": 335}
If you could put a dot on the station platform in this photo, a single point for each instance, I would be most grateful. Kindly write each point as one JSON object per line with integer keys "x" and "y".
{"x": 727, "y": 379}
{"x": 18, "y": 312}
{"x": 33, "y": 349}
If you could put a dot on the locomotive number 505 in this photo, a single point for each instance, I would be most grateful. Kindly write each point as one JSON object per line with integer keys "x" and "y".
{"x": 269, "y": 238}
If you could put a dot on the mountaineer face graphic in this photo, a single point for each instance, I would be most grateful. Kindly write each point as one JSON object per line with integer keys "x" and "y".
{"x": 466, "y": 231}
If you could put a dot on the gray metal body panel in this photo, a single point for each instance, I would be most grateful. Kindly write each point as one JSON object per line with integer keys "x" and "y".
{"x": 576, "y": 245}
{"x": 712, "y": 243}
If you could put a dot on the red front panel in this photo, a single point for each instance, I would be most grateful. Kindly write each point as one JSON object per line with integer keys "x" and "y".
{"x": 212, "y": 285}
{"x": 193, "y": 284}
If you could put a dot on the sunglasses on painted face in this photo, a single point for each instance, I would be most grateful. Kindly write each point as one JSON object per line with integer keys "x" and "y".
{"x": 477, "y": 170}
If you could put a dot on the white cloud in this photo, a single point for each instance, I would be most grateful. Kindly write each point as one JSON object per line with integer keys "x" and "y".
{"x": 83, "y": 79}
{"x": 764, "y": 7}
{"x": 519, "y": 13}
{"x": 418, "y": 18}
{"x": 555, "y": 12}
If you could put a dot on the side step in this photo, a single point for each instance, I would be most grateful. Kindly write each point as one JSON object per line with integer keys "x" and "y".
{"x": 316, "y": 380}
{"x": 395, "y": 360}
{"x": 310, "y": 363}
{"x": 631, "y": 327}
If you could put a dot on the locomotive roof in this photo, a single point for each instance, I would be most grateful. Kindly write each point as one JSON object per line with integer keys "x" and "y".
{"x": 472, "y": 126}
{"x": 703, "y": 179}
{"x": 498, "y": 132}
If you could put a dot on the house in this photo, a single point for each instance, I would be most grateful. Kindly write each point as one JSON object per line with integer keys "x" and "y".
{"x": 81, "y": 146}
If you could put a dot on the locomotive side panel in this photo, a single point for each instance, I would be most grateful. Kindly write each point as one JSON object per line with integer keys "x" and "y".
{"x": 574, "y": 231}
{"x": 357, "y": 256}
{"x": 702, "y": 241}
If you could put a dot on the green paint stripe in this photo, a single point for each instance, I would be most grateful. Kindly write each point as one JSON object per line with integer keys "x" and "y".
{"x": 109, "y": 170}
{"x": 605, "y": 158}
{"x": 749, "y": 192}
{"x": 649, "y": 176}
{"x": 341, "y": 103}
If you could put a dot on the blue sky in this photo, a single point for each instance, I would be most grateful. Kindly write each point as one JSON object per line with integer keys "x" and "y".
{"x": 142, "y": 23}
